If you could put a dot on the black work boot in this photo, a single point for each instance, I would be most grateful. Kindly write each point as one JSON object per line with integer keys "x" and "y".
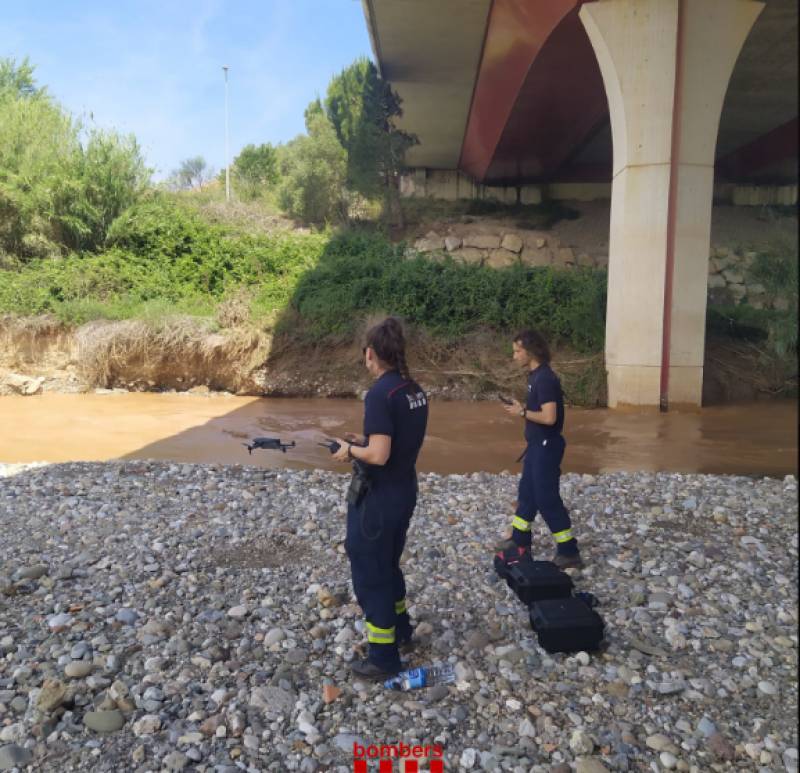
{"x": 366, "y": 669}
{"x": 405, "y": 632}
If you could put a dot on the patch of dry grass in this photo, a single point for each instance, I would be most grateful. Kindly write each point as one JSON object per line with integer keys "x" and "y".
{"x": 29, "y": 340}
{"x": 175, "y": 352}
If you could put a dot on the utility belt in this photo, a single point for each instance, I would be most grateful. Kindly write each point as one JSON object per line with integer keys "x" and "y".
{"x": 359, "y": 484}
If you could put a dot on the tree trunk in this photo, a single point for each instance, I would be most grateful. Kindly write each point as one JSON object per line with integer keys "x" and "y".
{"x": 395, "y": 205}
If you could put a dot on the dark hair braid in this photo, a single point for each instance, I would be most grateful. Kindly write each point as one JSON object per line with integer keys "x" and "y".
{"x": 389, "y": 344}
{"x": 402, "y": 366}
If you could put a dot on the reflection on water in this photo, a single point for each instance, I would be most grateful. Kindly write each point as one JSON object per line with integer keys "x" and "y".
{"x": 756, "y": 439}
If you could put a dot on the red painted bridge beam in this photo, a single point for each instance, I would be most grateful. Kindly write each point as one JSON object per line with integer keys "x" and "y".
{"x": 515, "y": 33}
{"x": 770, "y": 148}
{"x": 538, "y": 94}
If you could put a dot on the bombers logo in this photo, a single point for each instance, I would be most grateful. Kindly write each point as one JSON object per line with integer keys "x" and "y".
{"x": 416, "y": 400}
{"x": 407, "y": 757}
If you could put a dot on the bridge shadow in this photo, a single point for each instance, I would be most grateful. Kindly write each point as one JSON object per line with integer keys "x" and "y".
{"x": 462, "y": 437}
{"x": 221, "y": 438}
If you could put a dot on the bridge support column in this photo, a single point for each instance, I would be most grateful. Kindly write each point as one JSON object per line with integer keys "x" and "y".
{"x": 665, "y": 66}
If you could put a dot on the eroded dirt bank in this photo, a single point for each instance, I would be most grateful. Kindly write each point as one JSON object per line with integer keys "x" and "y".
{"x": 41, "y": 354}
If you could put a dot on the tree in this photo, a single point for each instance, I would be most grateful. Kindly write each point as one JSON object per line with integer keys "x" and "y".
{"x": 313, "y": 171}
{"x": 18, "y": 78}
{"x": 58, "y": 192}
{"x": 192, "y": 173}
{"x": 255, "y": 168}
{"x": 362, "y": 108}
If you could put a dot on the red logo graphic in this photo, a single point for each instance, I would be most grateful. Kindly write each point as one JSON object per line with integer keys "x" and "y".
{"x": 387, "y": 766}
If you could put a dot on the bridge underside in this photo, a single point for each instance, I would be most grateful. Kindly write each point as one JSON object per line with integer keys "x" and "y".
{"x": 661, "y": 98}
{"x": 512, "y": 93}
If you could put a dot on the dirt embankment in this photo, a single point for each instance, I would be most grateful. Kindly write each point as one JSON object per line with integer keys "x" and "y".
{"x": 41, "y": 354}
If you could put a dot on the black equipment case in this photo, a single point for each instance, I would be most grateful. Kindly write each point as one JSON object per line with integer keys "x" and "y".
{"x": 566, "y": 625}
{"x": 532, "y": 580}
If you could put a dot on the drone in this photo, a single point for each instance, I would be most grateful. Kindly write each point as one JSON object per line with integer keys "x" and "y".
{"x": 267, "y": 444}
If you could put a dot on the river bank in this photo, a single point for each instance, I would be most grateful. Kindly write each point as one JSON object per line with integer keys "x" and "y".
{"x": 199, "y": 617}
{"x": 42, "y": 354}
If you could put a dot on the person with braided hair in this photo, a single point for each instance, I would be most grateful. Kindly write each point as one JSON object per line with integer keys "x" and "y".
{"x": 543, "y": 417}
{"x": 383, "y": 495}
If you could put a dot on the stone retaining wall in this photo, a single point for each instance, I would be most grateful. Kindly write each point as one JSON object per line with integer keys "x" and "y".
{"x": 503, "y": 249}
{"x": 728, "y": 283}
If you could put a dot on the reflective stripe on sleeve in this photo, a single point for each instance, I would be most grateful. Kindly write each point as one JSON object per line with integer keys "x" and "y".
{"x": 400, "y": 606}
{"x": 521, "y": 524}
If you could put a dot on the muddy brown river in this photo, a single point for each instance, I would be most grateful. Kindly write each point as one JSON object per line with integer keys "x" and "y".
{"x": 754, "y": 439}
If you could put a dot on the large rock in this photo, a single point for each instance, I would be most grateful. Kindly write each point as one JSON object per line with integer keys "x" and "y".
{"x": 13, "y": 756}
{"x": 51, "y": 696}
{"x": 147, "y": 725}
{"x": 733, "y": 276}
{"x": 501, "y": 258}
{"x": 585, "y": 259}
{"x": 722, "y": 262}
{"x": 564, "y": 257}
{"x": 469, "y": 255}
{"x": 482, "y": 241}
{"x": 716, "y": 280}
{"x": 589, "y": 765}
{"x": 78, "y": 669}
{"x": 24, "y": 385}
{"x": 452, "y": 243}
{"x": 104, "y": 721}
{"x": 532, "y": 256}
{"x": 431, "y": 241}
{"x": 512, "y": 243}
{"x": 738, "y": 291}
{"x": 536, "y": 240}
{"x": 273, "y": 698}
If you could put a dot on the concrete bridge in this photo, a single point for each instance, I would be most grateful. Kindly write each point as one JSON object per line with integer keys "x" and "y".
{"x": 660, "y": 99}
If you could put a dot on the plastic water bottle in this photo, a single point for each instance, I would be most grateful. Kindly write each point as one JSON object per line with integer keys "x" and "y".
{"x": 424, "y": 676}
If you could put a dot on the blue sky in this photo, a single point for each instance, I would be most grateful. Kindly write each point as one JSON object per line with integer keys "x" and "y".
{"x": 154, "y": 68}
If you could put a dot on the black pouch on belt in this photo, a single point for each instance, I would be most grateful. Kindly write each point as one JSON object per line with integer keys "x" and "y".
{"x": 359, "y": 485}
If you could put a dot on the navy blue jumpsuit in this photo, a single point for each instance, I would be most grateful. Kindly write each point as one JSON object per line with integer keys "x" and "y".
{"x": 541, "y": 470}
{"x": 377, "y": 525}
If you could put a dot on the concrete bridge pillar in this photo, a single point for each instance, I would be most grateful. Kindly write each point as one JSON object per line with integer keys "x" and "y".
{"x": 665, "y": 65}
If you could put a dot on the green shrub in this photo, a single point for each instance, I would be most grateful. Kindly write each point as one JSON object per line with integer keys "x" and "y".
{"x": 58, "y": 193}
{"x": 776, "y": 268}
{"x": 362, "y": 273}
{"x": 160, "y": 253}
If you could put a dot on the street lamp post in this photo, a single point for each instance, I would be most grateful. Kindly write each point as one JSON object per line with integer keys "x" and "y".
{"x": 227, "y": 149}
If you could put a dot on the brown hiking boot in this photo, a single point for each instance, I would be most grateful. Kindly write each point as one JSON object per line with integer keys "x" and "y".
{"x": 565, "y": 561}
{"x": 504, "y": 545}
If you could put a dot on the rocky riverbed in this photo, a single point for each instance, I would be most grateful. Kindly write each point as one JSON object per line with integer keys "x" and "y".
{"x": 162, "y": 616}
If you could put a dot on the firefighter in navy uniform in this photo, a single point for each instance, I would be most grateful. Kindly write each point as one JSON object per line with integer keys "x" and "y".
{"x": 543, "y": 414}
{"x": 380, "y": 507}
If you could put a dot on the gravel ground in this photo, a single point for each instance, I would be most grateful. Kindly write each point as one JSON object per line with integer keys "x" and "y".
{"x": 158, "y": 616}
